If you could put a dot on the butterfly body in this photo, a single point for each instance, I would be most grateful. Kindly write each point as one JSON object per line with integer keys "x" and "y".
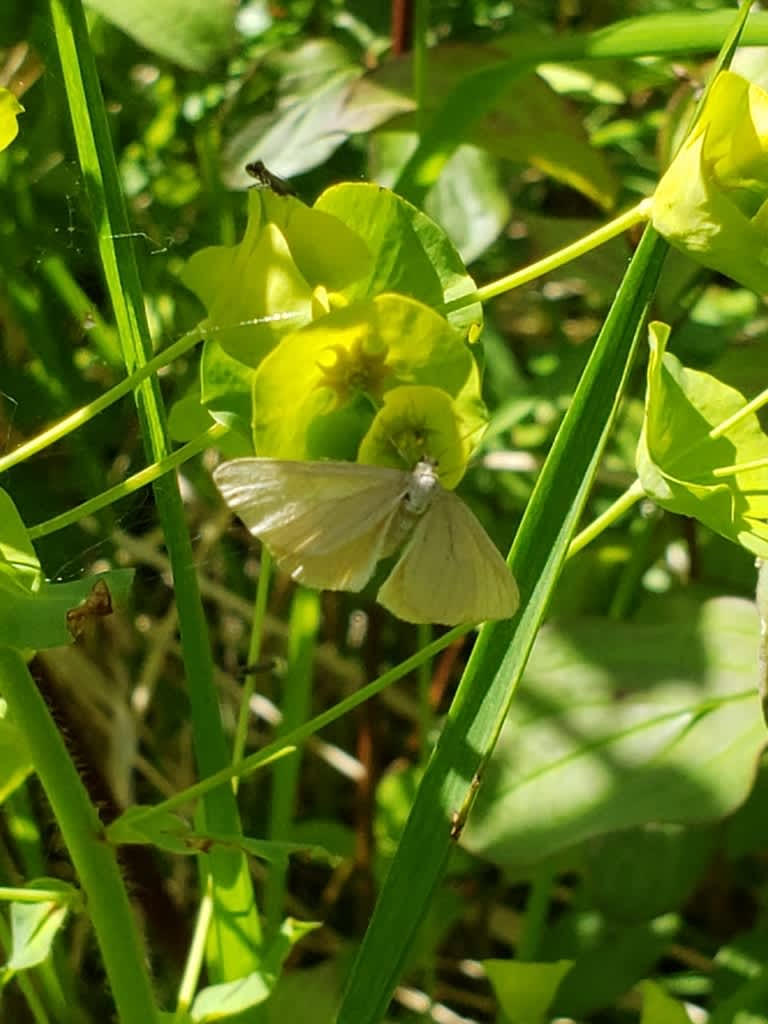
{"x": 329, "y": 523}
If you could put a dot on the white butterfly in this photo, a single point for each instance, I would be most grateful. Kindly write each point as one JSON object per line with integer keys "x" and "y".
{"x": 329, "y": 523}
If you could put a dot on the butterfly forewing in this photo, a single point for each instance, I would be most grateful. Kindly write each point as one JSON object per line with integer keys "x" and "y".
{"x": 324, "y": 522}
{"x": 450, "y": 571}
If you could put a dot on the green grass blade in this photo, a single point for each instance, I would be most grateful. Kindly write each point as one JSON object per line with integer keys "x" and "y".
{"x": 502, "y": 650}
{"x": 236, "y": 930}
{"x": 95, "y": 861}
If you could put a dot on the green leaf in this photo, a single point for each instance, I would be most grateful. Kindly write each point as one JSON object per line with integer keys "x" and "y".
{"x": 608, "y": 959}
{"x": 164, "y": 829}
{"x": 226, "y": 390}
{"x": 20, "y": 572}
{"x": 366, "y": 349}
{"x": 478, "y": 92}
{"x": 309, "y": 121}
{"x": 639, "y": 873}
{"x": 501, "y": 651}
{"x": 410, "y": 254}
{"x": 34, "y": 926}
{"x": 746, "y": 831}
{"x": 41, "y": 619}
{"x": 622, "y": 724}
{"x": 318, "y": 986}
{"x": 659, "y": 1008}
{"x": 168, "y": 831}
{"x": 188, "y": 418}
{"x": 191, "y": 33}
{"x": 468, "y": 200}
{"x": 220, "y": 1001}
{"x": 15, "y": 758}
{"x": 527, "y": 122}
{"x": 710, "y": 203}
{"x": 525, "y": 991}
{"x": 677, "y": 459}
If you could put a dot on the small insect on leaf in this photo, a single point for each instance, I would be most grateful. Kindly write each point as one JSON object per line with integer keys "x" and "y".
{"x": 266, "y": 179}
{"x": 329, "y": 523}
{"x": 95, "y": 606}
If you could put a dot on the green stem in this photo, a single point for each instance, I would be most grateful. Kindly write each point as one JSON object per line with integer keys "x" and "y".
{"x": 420, "y": 25}
{"x": 60, "y": 897}
{"x": 195, "y": 956}
{"x": 293, "y": 739}
{"x": 425, "y": 707}
{"x": 630, "y": 497}
{"x": 133, "y": 483}
{"x": 535, "y": 920}
{"x": 296, "y": 702}
{"x": 636, "y": 215}
{"x": 254, "y": 653}
{"x": 94, "y": 860}
{"x": 235, "y": 932}
{"x": 753, "y": 406}
{"x": 87, "y": 412}
{"x": 740, "y": 467}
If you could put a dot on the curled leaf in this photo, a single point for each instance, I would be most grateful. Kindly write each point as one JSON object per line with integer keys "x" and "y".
{"x": 712, "y": 201}
{"x": 679, "y": 461}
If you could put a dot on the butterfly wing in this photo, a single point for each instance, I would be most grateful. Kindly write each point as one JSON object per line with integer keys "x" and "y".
{"x": 450, "y": 570}
{"x": 324, "y": 522}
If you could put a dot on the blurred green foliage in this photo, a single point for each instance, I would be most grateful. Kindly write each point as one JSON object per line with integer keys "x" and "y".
{"x": 627, "y": 794}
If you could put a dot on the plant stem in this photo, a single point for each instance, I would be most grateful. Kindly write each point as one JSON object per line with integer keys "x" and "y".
{"x": 87, "y": 412}
{"x": 291, "y": 740}
{"x": 296, "y": 702}
{"x": 94, "y": 860}
{"x": 254, "y": 653}
{"x": 133, "y": 483}
{"x": 235, "y": 933}
{"x": 630, "y": 497}
{"x": 756, "y": 403}
{"x": 740, "y": 467}
{"x": 420, "y": 26}
{"x": 425, "y": 708}
{"x": 534, "y": 922}
{"x": 626, "y": 220}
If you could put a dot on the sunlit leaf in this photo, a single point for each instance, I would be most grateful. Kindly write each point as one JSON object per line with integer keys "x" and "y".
{"x": 218, "y": 1002}
{"x": 711, "y": 202}
{"x": 525, "y": 990}
{"x": 410, "y": 254}
{"x": 677, "y": 459}
{"x": 529, "y": 123}
{"x": 276, "y": 278}
{"x": 621, "y": 724}
{"x": 35, "y": 925}
{"x": 191, "y": 33}
{"x": 659, "y": 1008}
{"x": 309, "y": 120}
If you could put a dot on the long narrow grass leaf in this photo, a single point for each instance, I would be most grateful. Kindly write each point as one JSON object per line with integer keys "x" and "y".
{"x": 500, "y": 654}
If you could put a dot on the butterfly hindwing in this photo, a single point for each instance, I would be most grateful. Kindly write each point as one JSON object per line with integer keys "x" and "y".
{"x": 450, "y": 571}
